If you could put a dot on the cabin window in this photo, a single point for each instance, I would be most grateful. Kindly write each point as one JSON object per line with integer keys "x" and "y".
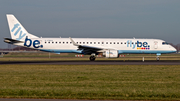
{"x": 94, "y": 42}
{"x": 59, "y": 42}
{"x": 90, "y": 42}
{"x": 63, "y": 42}
{"x": 114, "y": 43}
{"x": 110, "y": 42}
{"x": 56, "y": 42}
{"x": 70, "y": 42}
{"x": 117, "y": 42}
{"x": 79, "y": 42}
{"x": 102, "y": 42}
{"x": 83, "y": 42}
{"x": 98, "y": 42}
{"x": 48, "y": 42}
{"x": 124, "y": 42}
{"x": 106, "y": 42}
{"x": 45, "y": 42}
{"x": 87, "y": 42}
{"x": 121, "y": 42}
{"x": 67, "y": 42}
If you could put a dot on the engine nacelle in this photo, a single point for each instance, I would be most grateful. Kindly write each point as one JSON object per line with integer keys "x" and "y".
{"x": 110, "y": 53}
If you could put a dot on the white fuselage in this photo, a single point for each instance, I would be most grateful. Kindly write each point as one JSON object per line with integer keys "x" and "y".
{"x": 64, "y": 45}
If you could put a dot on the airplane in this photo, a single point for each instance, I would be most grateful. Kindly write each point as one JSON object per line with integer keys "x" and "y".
{"x": 107, "y": 47}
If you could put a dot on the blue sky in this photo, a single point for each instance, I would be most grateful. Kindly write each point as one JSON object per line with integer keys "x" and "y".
{"x": 95, "y": 18}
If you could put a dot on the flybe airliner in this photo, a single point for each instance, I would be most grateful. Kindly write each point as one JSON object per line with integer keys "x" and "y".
{"x": 107, "y": 47}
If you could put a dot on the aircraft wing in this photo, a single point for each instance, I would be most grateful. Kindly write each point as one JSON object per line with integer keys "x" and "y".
{"x": 86, "y": 49}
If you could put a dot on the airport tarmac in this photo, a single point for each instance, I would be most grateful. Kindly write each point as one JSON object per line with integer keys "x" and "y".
{"x": 102, "y": 62}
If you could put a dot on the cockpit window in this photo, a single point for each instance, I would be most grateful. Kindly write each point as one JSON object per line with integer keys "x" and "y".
{"x": 165, "y": 43}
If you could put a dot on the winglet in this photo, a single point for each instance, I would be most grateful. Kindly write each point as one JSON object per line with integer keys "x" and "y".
{"x": 73, "y": 42}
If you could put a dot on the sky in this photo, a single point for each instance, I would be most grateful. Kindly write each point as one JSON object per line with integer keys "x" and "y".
{"x": 159, "y": 19}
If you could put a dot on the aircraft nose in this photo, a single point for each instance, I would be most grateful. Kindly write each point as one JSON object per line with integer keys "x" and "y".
{"x": 174, "y": 49}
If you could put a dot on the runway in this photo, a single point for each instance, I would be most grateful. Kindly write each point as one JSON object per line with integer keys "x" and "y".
{"x": 102, "y": 62}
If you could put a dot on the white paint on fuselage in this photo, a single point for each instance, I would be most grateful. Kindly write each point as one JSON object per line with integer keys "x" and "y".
{"x": 104, "y": 43}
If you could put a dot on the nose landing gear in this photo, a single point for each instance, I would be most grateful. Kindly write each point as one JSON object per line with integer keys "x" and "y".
{"x": 157, "y": 57}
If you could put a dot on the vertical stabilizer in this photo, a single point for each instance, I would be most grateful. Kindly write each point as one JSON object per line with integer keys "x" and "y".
{"x": 17, "y": 31}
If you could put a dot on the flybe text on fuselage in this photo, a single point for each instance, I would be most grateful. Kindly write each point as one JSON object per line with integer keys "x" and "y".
{"x": 35, "y": 43}
{"x": 21, "y": 35}
{"x": 138, "y": 45}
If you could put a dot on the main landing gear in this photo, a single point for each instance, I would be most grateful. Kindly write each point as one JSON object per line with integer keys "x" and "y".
{"x": 92, "y": 57}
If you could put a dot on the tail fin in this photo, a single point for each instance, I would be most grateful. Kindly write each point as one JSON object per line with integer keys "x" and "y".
{"x": 18, "y": 32}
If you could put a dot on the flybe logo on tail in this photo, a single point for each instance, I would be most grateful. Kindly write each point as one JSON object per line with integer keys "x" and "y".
{"x": 138, "y": 44}
{"x": 35, "y": 43}
{"x": 21, "y": 34}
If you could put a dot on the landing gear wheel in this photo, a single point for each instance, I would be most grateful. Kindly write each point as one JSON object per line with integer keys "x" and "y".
{"x": 92, "y": 58}
{"x": 157, "y": 58}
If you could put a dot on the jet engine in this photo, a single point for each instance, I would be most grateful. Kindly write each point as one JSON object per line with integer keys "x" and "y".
{"x": 110, "y": 54}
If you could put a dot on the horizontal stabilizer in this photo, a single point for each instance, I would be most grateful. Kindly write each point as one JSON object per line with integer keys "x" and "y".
{"x": 8, "y": 40}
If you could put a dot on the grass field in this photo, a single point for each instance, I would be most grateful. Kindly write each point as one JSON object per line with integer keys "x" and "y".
{"x": 157, "y": 82}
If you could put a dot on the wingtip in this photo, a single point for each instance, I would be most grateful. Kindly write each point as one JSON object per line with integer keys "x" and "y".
{"x": 73, "y": 42}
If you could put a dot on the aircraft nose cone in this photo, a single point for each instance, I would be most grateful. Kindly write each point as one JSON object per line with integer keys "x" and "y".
{"x": 174, "y": 49}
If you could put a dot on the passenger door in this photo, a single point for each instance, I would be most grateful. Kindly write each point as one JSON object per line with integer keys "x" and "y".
{"x": 155, "y": 44}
